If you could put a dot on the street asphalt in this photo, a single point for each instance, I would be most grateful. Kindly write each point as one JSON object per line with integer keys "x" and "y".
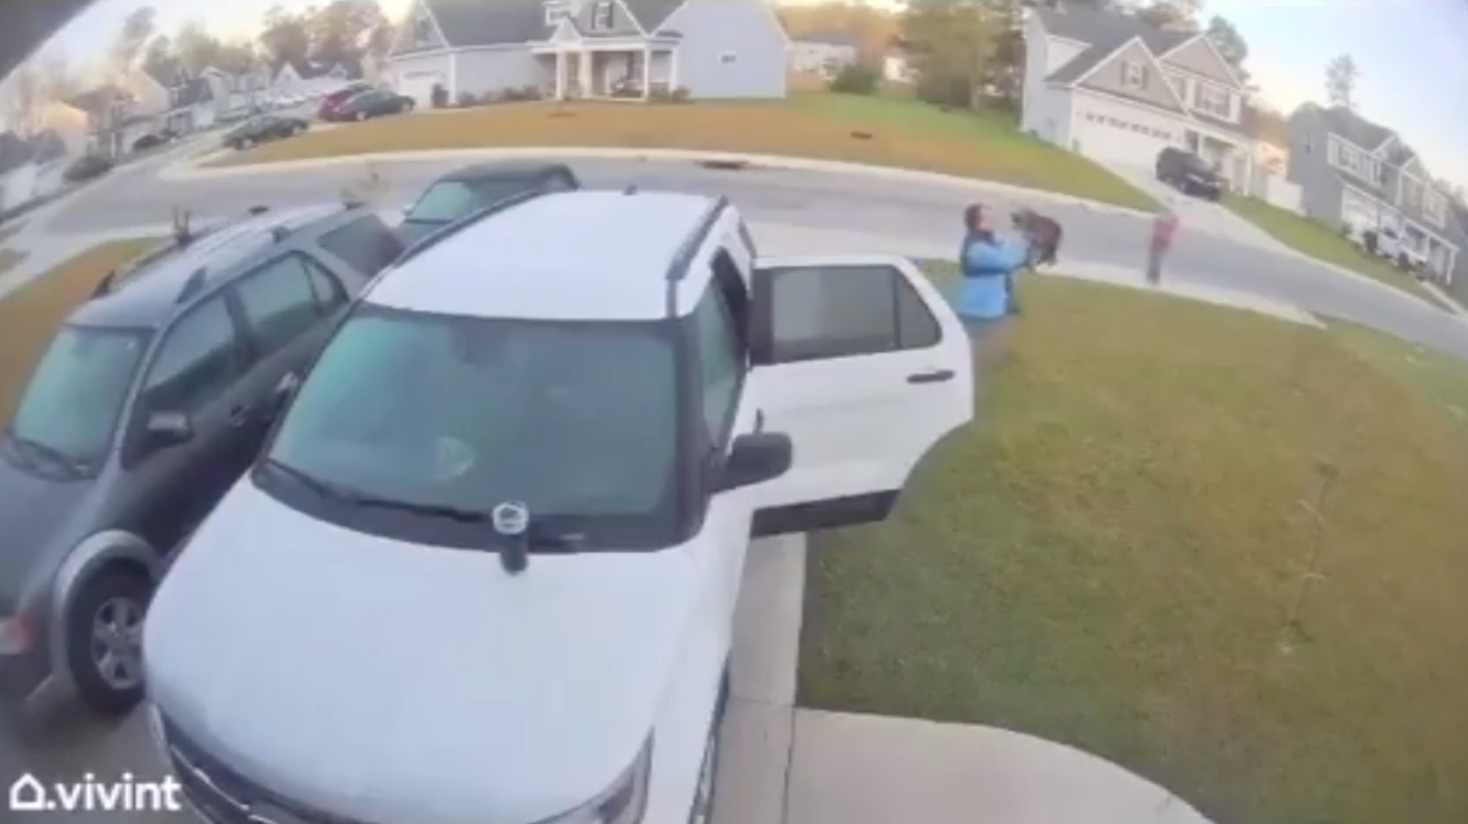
{"x": 819, "y": 200}
{"x": 134, "y": 196}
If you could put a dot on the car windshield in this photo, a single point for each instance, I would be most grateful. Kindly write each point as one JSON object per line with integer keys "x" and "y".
{"x": 452, "y": 199}
{"x": 575, "y": 419}
{"x": 76, "y": 395}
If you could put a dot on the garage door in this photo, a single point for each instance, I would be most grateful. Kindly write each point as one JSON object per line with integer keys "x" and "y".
{"x": 419, "y": 85}
{"x": 1121, "y": 138}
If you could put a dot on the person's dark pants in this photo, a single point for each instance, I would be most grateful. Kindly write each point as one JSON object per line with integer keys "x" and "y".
{"x": 1154, "y": 266}
{"x": 1010, "y": 295}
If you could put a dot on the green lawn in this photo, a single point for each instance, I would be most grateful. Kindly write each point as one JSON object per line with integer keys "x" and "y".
{"x": 886, "y": 131}
{"x": 1110, "y": 556}
{"x": 1308, "y": 237}
{"x": 1440, "y": 379}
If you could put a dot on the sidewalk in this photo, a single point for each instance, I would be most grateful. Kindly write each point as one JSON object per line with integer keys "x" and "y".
{"x": 784, "y": 765}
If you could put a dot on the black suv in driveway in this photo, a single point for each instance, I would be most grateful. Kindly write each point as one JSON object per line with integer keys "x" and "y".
{"x": 149, "y": 403}
{"x": 1189, "y": 173}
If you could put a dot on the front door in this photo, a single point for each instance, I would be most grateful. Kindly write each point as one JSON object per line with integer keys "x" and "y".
{"x": 863, "y": 363}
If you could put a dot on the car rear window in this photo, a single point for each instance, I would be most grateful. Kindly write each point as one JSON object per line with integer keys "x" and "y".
{"x": 366, "y": 243}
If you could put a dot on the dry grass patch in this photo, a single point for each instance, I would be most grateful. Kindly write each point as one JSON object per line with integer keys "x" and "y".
{"x": 901, "y": 133}
{"x": 1113, "y": 555}
{"x": 30, "y": 314}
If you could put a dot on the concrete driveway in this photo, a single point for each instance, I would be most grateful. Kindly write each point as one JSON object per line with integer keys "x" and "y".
{"x": 1197, "y": 214}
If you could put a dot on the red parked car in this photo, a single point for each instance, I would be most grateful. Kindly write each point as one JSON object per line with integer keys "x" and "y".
{"x": 331, "y": 102}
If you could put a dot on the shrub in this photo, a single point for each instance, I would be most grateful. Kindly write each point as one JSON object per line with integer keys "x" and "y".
{"x": 466, "y": 100}
{"x": 857, "y": 78}
{"x": 520, "y": 94}
{"x": 440, "y": 96}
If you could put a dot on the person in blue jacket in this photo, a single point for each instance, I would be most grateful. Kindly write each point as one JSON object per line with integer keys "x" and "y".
{"x": 988, "y": 264}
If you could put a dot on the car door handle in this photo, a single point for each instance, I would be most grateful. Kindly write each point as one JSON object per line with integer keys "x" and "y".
{"x": 239, "y": 415}
{"x": 936, "y": 376}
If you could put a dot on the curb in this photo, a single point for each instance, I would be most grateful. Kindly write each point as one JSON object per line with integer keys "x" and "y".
{"x": 187, "y": 171}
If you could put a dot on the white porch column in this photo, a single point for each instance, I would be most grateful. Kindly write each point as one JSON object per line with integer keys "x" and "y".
{"x": 673, "y": 69}
{"x": 646, "y": 72}
{"x": 560, "y": 75}
{"x": 583, "y": 65}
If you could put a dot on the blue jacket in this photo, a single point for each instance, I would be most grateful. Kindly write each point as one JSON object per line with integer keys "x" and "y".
{"x": 984, "y": 294}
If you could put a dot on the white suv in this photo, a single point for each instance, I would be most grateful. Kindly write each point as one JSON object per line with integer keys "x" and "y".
{"x": 486, "y": 568}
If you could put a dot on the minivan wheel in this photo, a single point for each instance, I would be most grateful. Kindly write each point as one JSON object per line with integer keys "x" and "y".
{"x": 104, "y": 640}
{"x": 361, "y": 115}
{"x": 702, "y": 810}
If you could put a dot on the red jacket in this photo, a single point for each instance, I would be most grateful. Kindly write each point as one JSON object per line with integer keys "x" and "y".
{"x": 1164, "y": 226}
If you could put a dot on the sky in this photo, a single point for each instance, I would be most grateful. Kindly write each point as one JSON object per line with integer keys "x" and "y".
{"x": 1410, "y": 53}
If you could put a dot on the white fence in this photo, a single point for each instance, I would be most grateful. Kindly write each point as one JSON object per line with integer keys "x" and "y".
{"x": 1272, "y": 188}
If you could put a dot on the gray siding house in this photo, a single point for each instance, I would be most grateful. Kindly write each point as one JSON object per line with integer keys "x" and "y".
{"x": 1355, "y": 173}
{"x": 569, "y": 49}
{"x": 1109, "y": 86}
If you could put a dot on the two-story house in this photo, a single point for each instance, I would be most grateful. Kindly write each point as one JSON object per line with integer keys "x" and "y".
{"x": 590, "y": 48}
{"x": 114, "y": 118}
{"x": 824, "y": 52}
{"x": 1113, "y": 88}
{"x": 182, "y": 101}
{"x": 238, "y": 94}
{"x": 1352, "y": 172}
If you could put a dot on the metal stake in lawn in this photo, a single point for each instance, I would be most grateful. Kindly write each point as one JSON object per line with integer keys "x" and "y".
{"x": 1326, "y": 472}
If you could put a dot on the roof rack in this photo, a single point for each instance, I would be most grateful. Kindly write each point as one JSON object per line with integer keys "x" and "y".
{"x": 441, "y": 234}
{"x": 192, "y": 286}
{"x": 678, "y": 269}
{"x": 279, "y": 233}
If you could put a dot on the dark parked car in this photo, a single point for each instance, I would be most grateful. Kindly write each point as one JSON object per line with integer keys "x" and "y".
{"x": 152, "y": 398}
{"x": 373, "y": 103}
{"x": 333, "y": 101}
{"x": 87, "y": 167}
{"x": 1189, "y": 173}
{"x": 264, "y": 128}
{"x": 464, "y": 191}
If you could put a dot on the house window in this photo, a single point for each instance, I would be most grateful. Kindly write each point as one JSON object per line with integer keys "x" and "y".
{"x": 1133, "y": 75}
{"x": 601, "y": 17}
{"x": 1352, "y": 159}
{"x": 1435, "y": 208}
{"x": 423, "y": 31}
{"x": 555, "y": 12}
{"x": 728, "y": 57}
{"x": 1214, "y": 101}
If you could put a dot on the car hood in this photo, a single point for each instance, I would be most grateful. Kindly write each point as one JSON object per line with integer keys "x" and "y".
{"x": 394, "y": 682}
{"x": 36, "y": 511}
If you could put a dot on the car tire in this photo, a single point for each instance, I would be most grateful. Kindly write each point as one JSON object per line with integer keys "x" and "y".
{"x": 361, "y": 116}
{"x": 104, "y": 640}
{"x": 702, "y": 809}
{"x": 246, "y": 142}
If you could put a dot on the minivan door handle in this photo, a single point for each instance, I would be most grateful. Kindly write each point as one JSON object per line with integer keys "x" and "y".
{"x": 239, "y": 415}
{"x": 936, "y": 376}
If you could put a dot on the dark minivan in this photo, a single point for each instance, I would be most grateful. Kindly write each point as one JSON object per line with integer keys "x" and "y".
{"x": 149, "y": 403}
{"x": 1189, "y": 173}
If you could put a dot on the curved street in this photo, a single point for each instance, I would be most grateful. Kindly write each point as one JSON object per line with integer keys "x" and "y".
{"x": 923, "y": 214}
{"x": 879, "y": 207}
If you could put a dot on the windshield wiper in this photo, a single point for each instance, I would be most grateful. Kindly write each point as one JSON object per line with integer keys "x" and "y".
{"x": 49, "y": 454}
{"x": 431, "y": 510}
{"x": 320, "y": 487}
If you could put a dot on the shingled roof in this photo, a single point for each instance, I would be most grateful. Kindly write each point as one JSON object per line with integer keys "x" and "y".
{"x": 478, "y": 23}
{"x": 1105, "y": 31}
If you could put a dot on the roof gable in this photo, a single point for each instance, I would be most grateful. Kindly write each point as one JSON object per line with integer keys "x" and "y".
{"x": 1355, "y": 128}
{"x": 1199, "y": 56}
{"x": 1109, "y": 76}
{"x": 1098, "y": 27}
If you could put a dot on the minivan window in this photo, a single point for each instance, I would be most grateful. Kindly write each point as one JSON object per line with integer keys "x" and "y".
{"x": 76, "y": 395}
{"x": 575, "y": 419}
{"x": 365, "y": 243}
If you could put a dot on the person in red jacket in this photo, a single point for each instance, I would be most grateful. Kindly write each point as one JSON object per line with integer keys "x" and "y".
{"x": 1164, "y": 227}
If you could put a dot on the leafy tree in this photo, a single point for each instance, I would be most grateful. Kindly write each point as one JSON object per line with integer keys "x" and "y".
{"x": 197, "y": 48}
{"x": 1341, "y": 77}
{"x": 1174, "y": 15}
{"x": 286, "y": 35}
{"x": 958, "y": 48}
{"x": 857, "y": 78}
{"x": 159, "y": 53}
{"x": 137, "y": 30}
{"x": 343, "y": 29}
{"x": 1228, "y": 41}
{"x": 20, "y": 99}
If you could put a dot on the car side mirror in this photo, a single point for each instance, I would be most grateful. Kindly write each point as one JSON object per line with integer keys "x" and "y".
{"x": 169, "y": 428}
{"x": 289, "y": 383}
{"x": 755, "y": 458}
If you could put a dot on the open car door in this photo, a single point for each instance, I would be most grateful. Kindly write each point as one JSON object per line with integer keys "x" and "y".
{"x": 863, "y": 363}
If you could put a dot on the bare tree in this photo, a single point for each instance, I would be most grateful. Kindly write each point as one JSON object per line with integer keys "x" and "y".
{"x": 20, "y": 99}
{"x": 136, "y": 31}
{"x": 1341, "y": 77}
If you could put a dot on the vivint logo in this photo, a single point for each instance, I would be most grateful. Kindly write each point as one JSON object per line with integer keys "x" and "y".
{"x": 127, "y": 794}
